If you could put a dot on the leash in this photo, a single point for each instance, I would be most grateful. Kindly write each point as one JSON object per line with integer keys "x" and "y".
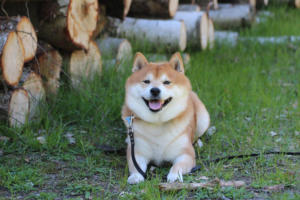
{"x": 198, "y": 167}
{"x": 130, "y": 132}
{"x": 131, "y": 136}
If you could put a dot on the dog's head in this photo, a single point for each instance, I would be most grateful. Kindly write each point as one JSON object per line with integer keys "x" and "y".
{"x": 157, "y": 92}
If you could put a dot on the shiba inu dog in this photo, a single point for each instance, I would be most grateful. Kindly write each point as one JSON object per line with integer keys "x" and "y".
{"x": 168, "y": 117}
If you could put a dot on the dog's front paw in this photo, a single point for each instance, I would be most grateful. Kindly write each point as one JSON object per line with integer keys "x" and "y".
{"x": 135, "y": 178}
{"x": 172, "y": 177}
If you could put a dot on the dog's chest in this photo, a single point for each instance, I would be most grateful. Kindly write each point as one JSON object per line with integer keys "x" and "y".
{"x": 162, "y": 142}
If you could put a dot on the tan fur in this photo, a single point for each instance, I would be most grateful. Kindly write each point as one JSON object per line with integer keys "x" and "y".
{"x": 166, "y": 135}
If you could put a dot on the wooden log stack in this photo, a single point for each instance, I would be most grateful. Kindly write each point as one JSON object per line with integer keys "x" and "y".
{"x": 66, "y": 31}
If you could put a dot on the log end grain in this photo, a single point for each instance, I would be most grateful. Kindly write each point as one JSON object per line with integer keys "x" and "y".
{"x": 12, "y": 59}
{"x": 26, "y": 33}
{"x": 18, "y": 108}
{"x": 82, "y": 19}
{"x": 84, "y": 65}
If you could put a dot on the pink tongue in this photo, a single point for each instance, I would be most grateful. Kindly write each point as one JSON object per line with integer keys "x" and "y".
{"x": 155, "y": 105}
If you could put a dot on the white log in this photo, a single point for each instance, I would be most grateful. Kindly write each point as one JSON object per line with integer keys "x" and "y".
{"x": 116, "y": 48}
{"x": 272, "y": 40}
{"x": 196, "y": 27}
{"x": 188, "y": 7}
{"x": 169, "y": 35}
{"x": 232, "y": 17}
{"x": 227, "y": 37}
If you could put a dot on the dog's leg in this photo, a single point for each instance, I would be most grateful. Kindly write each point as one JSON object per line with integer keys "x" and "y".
{"x": 135, "y": 176}
{"x": 182, "y": 165}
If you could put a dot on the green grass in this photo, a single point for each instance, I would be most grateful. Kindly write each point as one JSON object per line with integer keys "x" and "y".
{"x": 249, "y": 90}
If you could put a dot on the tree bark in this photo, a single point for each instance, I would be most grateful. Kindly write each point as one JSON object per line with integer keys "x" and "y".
{"x": 153, "y": 8}
{"x": 232, "y": 17}
{"x": 71, "y": 22}
{"x": 163, "y": 35}
{"x": 196, "y": 27}
{"x": 116, "y": 8}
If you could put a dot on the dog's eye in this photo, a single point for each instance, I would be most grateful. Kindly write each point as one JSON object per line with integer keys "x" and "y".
{"x": 167, "y": 82}
{"x": 146, "y": 81}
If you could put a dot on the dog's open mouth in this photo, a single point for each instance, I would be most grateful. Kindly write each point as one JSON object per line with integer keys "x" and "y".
{"x": 156, "y": 105}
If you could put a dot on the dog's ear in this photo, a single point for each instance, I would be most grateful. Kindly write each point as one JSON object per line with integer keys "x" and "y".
{"x": 176, "y": 62}
{"x": 139, "y": 62}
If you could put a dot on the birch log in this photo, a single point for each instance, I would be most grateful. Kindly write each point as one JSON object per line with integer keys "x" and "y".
{"x": 232, "y": 17}
{"x": 188, "y": 7}
{"x": 68, "y": 24}
{"x": 116, "y": 48}
{"x": 116, "y": 8}
{"x": 168, "y": 35}
{"x": 153, "y": 8}
{"x": 205, "y": 3}
{"x": 252, "y": 3}
{"x": 227, "y": 37}
{"x": 271, "y": 40}
{"x": 196, "y": 26}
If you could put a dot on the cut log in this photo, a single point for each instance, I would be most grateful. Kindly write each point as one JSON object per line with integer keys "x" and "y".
{"x": 205, "y": 3}
{"x": 25, "y": 31}
{"x": 251, "y": 2}
{"x": 48, "y": 65}
{"x": 71, "y": 22}
{"x": 271, "y": 40}
{"x": 33, "y": 84}
{"x": 84, "y": 65}
{"x": 116, "y": 8}
{"x": 15, "y": 105}
{"x": 153, "y": 8}
{"x": 28, "y": 37}
{"x": 211, "y": 33}
{"x": 101, "y": 22}
{"x": 196, "y": 26}
{"x": 163, "y": 35}
{"x": 232, "y": 17}
{"x": 12, "y": 56}
{"x": 227, "y": 37}
{"x": 116, "y": 48}
{"x": 188, "y": 7}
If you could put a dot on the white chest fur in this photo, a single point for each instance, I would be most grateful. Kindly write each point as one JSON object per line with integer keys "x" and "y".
{"x": 164, "y": 141}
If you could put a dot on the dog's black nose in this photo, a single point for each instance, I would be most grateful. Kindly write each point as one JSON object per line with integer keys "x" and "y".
{"x": 155, "y": 91}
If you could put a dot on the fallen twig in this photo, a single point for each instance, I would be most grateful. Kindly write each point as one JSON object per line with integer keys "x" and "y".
{"x": 194, "y": 186}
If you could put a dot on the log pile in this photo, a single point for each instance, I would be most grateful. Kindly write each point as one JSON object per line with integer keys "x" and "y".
{"x": 42, "y": 40}
{"x": 31, "y": 64}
